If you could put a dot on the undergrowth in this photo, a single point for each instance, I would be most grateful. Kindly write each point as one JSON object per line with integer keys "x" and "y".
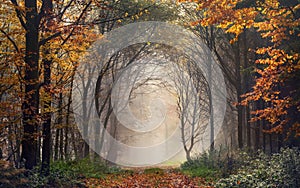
{"x": 278, "y": 170}
{"x": 246, "y": 169}
{"x": 211, "y": 165}
{"x": 71, "y": 173}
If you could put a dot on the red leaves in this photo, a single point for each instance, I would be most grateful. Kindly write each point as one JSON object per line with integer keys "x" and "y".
{"x": 167, "y": 179}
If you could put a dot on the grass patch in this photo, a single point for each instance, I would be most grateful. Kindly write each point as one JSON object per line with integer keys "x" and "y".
{"x": 154, "y": 171}
{"x": 207, "y": 173}
{"x": 83, "y": 168}
{"x": 210, "y": 165}
{"x": 71, "y": 173}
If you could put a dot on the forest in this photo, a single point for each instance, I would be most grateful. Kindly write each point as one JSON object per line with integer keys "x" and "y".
{"x": 150, "y": 93}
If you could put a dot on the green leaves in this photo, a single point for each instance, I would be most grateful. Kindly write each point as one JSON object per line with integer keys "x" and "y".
{"x": 278, "y": 170}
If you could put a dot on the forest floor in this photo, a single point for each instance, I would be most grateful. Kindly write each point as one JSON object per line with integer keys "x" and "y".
{"x": 152, "y": 177}
{"x": 155, "y": 177}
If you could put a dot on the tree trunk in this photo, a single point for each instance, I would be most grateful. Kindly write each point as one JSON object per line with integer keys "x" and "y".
{"x": 212, "y": 128}
{"x": 239, "y": 93}
{"x": 257, "y": 144}
{"x": 271, "y": 142}
{"x": 58, "y": 137}
{"x": 30, "y": 103}
{"x": 61, "y": 144}
{"x": 188, "y": 155}
{"x": 10, "y": 147}
{"x": 85, "y": 125}
{"x": 74, "y": 143}
{"x": 246, "y": 81}
{"x": 56, "y": 144}
{"x": 18, "y": 146}
{"x": 46, "y": 148}
{"x": 46, "y": 152}
{"x": 66, "y": 138}
{"x": 38, "y": 144}
{"x": 248, "y": 125}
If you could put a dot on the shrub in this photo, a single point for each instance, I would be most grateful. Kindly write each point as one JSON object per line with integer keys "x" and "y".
{"x": 61, "y": 175}
{"x": 10, "y": 176}
{"x": 277, "y": 170}
{"x": 207, "y": 165}
{"x": 68, "y": 174}
{"x": 212, "y": 164}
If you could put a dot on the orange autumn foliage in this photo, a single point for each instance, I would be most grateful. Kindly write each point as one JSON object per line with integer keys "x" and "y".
{"x": 167, "y": 178}
{"x": 279, "y": 63}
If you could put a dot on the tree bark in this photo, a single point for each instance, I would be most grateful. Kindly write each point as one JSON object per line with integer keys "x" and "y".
{"x": 46, "y": 149}
{"x": 246, "y": 81}
{"x": 56, "y": 144}
{"x": 30, "y": 103}
{"x": 68, "y": 119}
{"x": 58, "y": 147}
{"x": 257, "y": 144}
{"x": 239, "y": 93}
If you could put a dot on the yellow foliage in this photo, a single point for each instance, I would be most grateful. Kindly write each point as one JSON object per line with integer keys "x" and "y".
{"x": 274, "y": 23}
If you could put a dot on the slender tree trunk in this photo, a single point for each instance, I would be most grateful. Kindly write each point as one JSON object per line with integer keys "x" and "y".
{"x": 56, "y": 144}
{"x": 61, "y": 143}
{"x": 246, "y": 82}
{"x": 212, "y": 128}
{"x": 74, "y": 144}
{"x": 210, "y": 43}
{"x": 248, "y": 125}
{"x": 18, "y": 145}
{"x": 46, "y": 148}
{"x": 239, "y": 93}
{"x": 263, "y": 123}
{"x": 66, "y": 152}
{"x": 280, "y": 142}
{"x": 30, "y": 104}
{"x": 240, "y": 122}
{"x": 38, "y": 145}
{"x": 46, "y": 152}
{"x": 68, "y": 115}
{"x": 257, "y": 144}
{"x": 11, "y": 148}
{"x": 86, "y": 149}
{"x": 271, "y": 143}
{"x": 112, "y": 153}
{"x": 264, "y": 139}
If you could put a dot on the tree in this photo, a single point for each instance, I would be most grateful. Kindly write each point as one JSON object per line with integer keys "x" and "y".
{"x": 30, "y": 104}
{"x": 109, "y": 17}
{"x": 277, "y": 57}
{"x": 41, "y": 25}
{"x": 193, "y": 104}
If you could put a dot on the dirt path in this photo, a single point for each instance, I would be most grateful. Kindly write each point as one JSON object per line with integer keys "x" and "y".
{"x": 148, "y": 178}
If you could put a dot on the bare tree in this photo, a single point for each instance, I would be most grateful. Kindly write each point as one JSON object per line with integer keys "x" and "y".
{"x": 193, "y": 103}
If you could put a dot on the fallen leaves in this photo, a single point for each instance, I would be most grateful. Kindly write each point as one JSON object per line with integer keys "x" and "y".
{"x": 141, "y": 179}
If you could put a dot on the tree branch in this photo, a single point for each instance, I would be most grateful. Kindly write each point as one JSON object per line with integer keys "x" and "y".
{"x": 42, "y": 42}
{"x": 19, "y": 14}
{"x": 11, "y": 40}
{"x": 77, "y": 22}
